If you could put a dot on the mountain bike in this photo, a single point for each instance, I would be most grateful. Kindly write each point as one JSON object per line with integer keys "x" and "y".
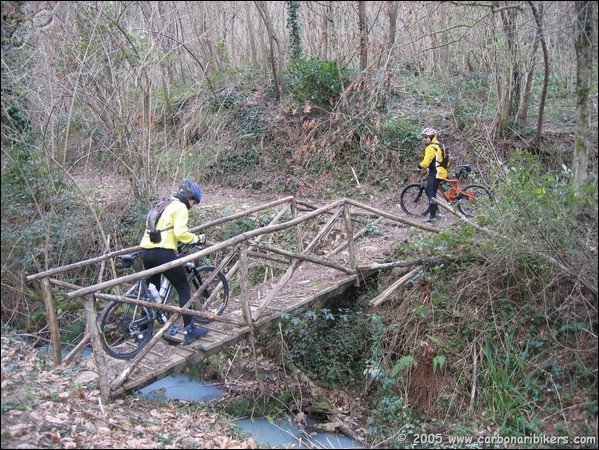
{"x": 469, "y": 199}
{"x": 126, "y": 328}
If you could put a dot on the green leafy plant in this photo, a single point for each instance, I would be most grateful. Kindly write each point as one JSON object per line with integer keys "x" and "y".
{"x": 391, "y": 413}
{"x": 438, "y": 362}
{"x": 317, "y": 82}
{"x": 405, "y": 362}
{"x": 331, "y": 344}
{"x": 400, "y": 135}
{"x": 236, "y": 227}
{"x": 235, "y": 162}
{"x": 252, "y": 124}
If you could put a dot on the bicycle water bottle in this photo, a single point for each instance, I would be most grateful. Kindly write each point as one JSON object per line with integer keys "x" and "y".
{"x": 162, "y": 317}
{"x": 164, "y": 287}
{"x": 154, "y": 293}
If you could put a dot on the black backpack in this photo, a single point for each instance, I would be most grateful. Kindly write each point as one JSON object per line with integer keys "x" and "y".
{"x": 152, "y": 220}
{"x": 446, "y": 162}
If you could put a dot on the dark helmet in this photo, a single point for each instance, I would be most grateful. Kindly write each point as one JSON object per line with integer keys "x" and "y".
{"x": 430, "y": 132}
{"x": 190, "y": 190}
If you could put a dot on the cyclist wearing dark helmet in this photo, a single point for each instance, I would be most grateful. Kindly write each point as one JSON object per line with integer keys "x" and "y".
{"x": 173, "y": 223}
{"x": 431, "y": 161}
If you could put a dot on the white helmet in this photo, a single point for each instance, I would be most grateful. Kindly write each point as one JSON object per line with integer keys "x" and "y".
{"x": 428, "y": 132}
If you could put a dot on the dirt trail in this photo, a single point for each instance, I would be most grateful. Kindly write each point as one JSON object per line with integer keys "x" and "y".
{"x": 216, "y": 196}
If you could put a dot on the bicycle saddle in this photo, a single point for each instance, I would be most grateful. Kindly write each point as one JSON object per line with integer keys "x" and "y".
{"x": 126, "y": 261}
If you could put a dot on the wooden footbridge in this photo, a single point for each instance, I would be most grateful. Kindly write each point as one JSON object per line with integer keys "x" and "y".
{"x": 329, "y": 249}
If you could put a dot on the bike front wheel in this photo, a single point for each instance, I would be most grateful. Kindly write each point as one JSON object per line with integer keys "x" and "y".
{"x": 215, "y": 294}
{"x": 413, "y": 200}
{"x": 473, "y": 199}
{"x": 125, "y": 329}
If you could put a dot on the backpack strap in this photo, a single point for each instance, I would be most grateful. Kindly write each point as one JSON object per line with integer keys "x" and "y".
{"x": 155, "y": 214}
{"x": 160, "y": 231}
{"x": 439, "y": 147}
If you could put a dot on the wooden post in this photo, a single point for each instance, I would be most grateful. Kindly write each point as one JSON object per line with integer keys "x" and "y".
{"x": 104, "y": 372}
{"x": 298, "y": 229}
{"x": 52, "y": 321}
{"x": 244, "y": 284}
{"x": 350, "y": 240}
{"x": 86, "y": 338}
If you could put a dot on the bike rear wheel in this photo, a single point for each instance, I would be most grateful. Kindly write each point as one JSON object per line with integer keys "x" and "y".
{"x": 474, "y": 199}
{"x": 125, "y": 328}
{"x": 215, "y": 294}
{"x": 413, "y": 200}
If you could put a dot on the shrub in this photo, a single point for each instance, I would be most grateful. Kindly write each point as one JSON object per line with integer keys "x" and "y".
{"x": 402, "y": 136}
{"x": 331, "y": 345}
{"x": 317, "y": 82}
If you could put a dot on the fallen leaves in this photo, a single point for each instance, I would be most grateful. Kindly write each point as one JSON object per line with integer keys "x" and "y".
{"x": 59, "y": 407}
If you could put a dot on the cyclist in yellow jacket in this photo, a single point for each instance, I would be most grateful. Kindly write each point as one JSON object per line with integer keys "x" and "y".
{"x": 174, "y": 229}
{"x": 433, "y": 156}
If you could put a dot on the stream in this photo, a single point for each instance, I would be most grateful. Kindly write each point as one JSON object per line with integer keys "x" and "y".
{"x": 270, "y": 434}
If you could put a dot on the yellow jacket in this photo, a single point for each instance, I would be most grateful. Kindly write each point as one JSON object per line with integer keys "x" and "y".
{"x": 433, "y": 154}
{"x": 175, "y": 217}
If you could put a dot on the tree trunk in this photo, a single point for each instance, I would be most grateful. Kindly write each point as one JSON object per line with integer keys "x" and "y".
{"x": 528, "y": 85}
{"x": 252, "y": 38}
{"x": 523, "y": 115}
{"x": 509, "y": 102}
{"x": 389, "y": 67}
{"x": 295, "y": 42}
{"x": 584, "y": 68}
{"x": 168, "y": 104}
{"x": 363, "y": 30}
{"x": 327, "y": 18}
{"x": 210, "y": 60}
{"x": 393, "y": 13}
{"x": 541, "y": 38}
{"x": 263, "y": 10}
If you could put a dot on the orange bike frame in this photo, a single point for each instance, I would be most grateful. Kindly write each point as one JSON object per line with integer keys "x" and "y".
{"x": 454, "y": 190}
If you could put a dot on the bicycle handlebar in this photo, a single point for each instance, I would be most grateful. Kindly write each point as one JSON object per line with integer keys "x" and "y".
{"x": 181, "y": 246}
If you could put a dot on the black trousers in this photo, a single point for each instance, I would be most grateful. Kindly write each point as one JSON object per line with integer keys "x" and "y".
{"x": 154, "y": 257}
{"x": 432, "y": 186}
